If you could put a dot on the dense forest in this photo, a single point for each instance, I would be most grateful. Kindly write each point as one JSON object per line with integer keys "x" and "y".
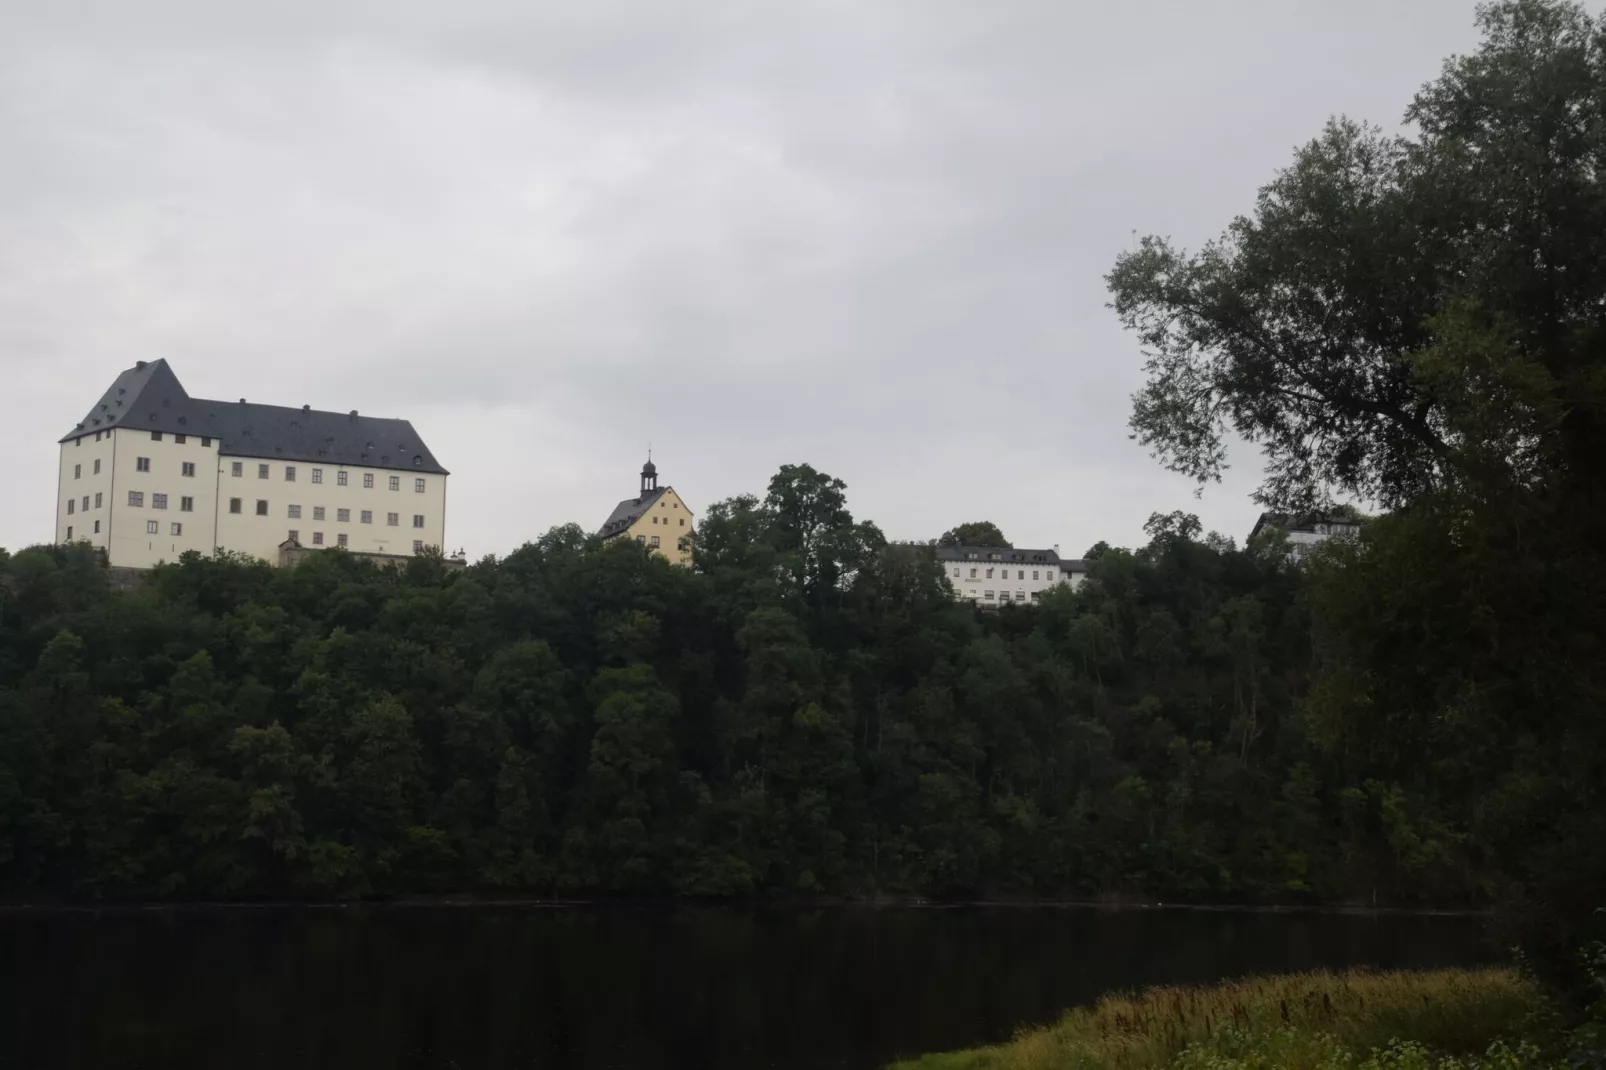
{"x": 1415, "y": 321}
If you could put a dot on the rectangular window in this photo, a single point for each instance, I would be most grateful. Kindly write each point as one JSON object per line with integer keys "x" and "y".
{"x": 418, "y": 520}
{"x": 655, "y": 540}
{"x": 392, "y": 519}
{"x": 1034, "y": 573}
{"x": 1020, "y": 596}
{"x": 97, "y": 468}
{"x": 367, "y": 516}
{"x": 152, "y": 527}
{"x": 136, "y": 498}
{"x": 418, "y": 486}
{"x": 680, "y": 543}
{"x": 72, "y": 503}
{"x": 158, "y": 501}
{"x": 142, "y": 464}
{"x": 85, "y": 506}
{"x": 177, "y": 528}
{"x": 156, "y": 436}
{"x": 262, "y": 471}
{"x": 987, "y": 595}
{"x": 97, "y": 527}
{"x": 205, "y": 441}
{"x": 295, "y": 536}
{"x": 972, "y": 573}
{"x": 317, "y": 475}
{"x": 395, "y": 482}
{"x": 341, "y": 538}
{"x": 234, "y": 505}
{"x": 317, "y": 538}
{"x": 289, "y": 473}
{"x": 989, "y": 573}
{"x": 77, "y": 471}
{"x": 188, "y": 468}
{"x": 343, "y": 515}
{"x": 317, "y": 512}
{"x": 295, "y": 512}
{"x": 368, "y": 480}
{"x": 237, "y": 469}
{"x": 180, "y": 439}
{"x": 340, "y": 478}
{"x": 186, "y": 505}
{"x": 418, "y": 545}
{"x": 682, "y": 521}
{"x": 639, "y": 538}
{"x": 1020, "y": 574}
{"x": 97, "y": 499}
{"x": 79, "y": 441}
{"x": 262, "y": 507}
{"x": 97, "y": 436}
{"x": 69, "y": 531}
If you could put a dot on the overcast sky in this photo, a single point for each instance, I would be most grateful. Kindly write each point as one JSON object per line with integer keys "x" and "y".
{"x": 869, "y": 235}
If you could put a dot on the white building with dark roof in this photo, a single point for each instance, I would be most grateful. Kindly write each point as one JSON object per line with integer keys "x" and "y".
{"x": 151, "y": 472}
{"x": 994, "y": 575}
{"x": 1304, "y": 532}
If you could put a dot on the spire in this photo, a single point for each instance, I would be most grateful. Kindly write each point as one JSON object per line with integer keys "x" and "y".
{"x": 649, "y": 474}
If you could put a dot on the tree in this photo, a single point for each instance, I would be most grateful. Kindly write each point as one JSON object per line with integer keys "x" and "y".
{"x": 975, "y": 533}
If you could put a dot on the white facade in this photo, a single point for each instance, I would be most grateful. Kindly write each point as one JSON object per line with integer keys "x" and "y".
{"x": 147, "y": 496}
{"x": 990, "y": 575}
{"x": 1303, "y": 534}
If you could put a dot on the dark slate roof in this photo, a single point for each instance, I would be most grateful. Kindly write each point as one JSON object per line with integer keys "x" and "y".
{"x": 149, "y": 397}
{"x": 1299, "y": 523}
{"x": 626, "y": 512}
{"x": 1015, "y": 556}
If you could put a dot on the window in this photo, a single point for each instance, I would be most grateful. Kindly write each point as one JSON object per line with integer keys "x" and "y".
{"x": 368, "y": 480}
{"x": 972, "y": 573}
{"x": 317, "y": 475}
{"x": 237, "y": 469}
{"x": 340, "y": 478}
{"x": 156, "y": 436}
{"x": 956, "y": 572}
{"x": 989, "y": 573}
{"x": 188, "y": 468}
{"x": 72, "y": 503}
{"x": 97, "y": 468}
{"x": 680, "y": 543}
{"x": 205, "y": 441}
{"x": 392, "y": 519}
{"x": 180, "y": 439}
{"x": 262, "y": 507}
{"x": 317, "y": 512}
{"x": 97, "y": 436}
{"x": 295, "y": 536}
{"x": 1037, "y": 595}
{"x": 367, "y": 516}
{"x": 152, "y": 527}
{"x": 289, "y": 473}
{"x": 395, "y": 482}
{"x": 97, "y": 499}
{"x": 158, "y": 501}
{"x": 234, "y": 505}
{"x": 79, "y": 441}
{"x": 295, "y": 512}
{"x": 639, "y": 538}
{"x": 418, "y": 545}
{"x": 418, "y": 520}
{"x": 655, "y": 520}
{"x": 655, "y": 540}
{"x": 341, "y": 538}
{"x": 142, "y": 464}
{"x": 682, "y": 521}
{"x": 69, "y": 531}
{"x": 77, "y": 471}
{"x": 1020, "y": 596}
{"x": 97, "y": 527}
{"x": 988, "y": 595}
{"x": 418, "y": 486}
{"x": 177, "y": 528}
{"x": 85, "y": 506}
{"x": 186, "y": 505}
{"x": 317, "y": 538}
{"x": 1034, "y": 573}
{"x": 262, "y": 471}
{"x": 136, "y": 498}
{"x": 343, "y": 515}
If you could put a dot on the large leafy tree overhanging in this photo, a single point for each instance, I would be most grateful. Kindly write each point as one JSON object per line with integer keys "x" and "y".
{"x": 1420, "y": 320}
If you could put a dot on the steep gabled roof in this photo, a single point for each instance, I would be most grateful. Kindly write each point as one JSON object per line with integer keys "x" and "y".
{"x": 629, "y": 511}
{"x": 149, "y": 397}
{"x": 1001, "y": 555}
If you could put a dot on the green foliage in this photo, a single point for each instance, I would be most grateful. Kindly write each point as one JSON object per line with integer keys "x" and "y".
{"x": 975, "y": 533}
{"x": 1432, "y": 1020}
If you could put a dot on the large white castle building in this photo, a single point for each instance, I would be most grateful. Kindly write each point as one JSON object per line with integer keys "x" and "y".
{"x": 151, "y": 472}
{"x": 994, "y": 575}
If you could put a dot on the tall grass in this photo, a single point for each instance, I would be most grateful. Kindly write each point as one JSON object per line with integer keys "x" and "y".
{"x": 1320, "y": 1021}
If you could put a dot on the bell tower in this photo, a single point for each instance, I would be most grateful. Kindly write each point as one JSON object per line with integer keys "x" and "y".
{"x": 649, "y": 476}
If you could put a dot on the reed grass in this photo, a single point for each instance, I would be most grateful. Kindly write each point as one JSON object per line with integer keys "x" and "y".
{"x": 1307, "y": 1021}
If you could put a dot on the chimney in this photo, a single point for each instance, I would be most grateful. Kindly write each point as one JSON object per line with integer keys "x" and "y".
{"x": 306, "y": 408}
{"x": 138, "y": 364}
{"x": 353, "y": 414}
{"x": 242, "y": 401}
{"x": 1056, "y": 549}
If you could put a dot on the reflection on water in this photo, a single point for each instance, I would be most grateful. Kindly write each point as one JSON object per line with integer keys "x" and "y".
{"x": 490, "y": 987}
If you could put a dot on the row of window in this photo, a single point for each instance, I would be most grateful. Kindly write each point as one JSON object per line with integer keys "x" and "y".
{"x": 665, "y": 520}
{"x": 1020, "y": 574}
{"x": 652, "y": 540}
{"x": 69, "y": 530}
{"x": 156, "y": 436}
{"x": 340, "y": 540}
{"x": 342, "y": 516}
{"x": 136, "y": 498}
{"x": 342, "y": 477}
{"x": 71, "y": 502}
{"x": 1003, "y": 596}
{"x": 154, "y": 527}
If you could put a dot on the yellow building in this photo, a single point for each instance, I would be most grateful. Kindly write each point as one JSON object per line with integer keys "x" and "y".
{"x": 656, "y": 518}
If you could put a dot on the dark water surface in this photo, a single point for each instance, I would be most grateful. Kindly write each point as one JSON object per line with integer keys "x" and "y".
{"x": 711, "y": 989}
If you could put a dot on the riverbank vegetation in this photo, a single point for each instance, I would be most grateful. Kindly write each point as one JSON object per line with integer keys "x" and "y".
{"x": 1489, "y": 1019}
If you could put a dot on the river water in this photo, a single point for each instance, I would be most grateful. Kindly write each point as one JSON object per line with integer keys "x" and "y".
{"x": 493, "y": 988}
